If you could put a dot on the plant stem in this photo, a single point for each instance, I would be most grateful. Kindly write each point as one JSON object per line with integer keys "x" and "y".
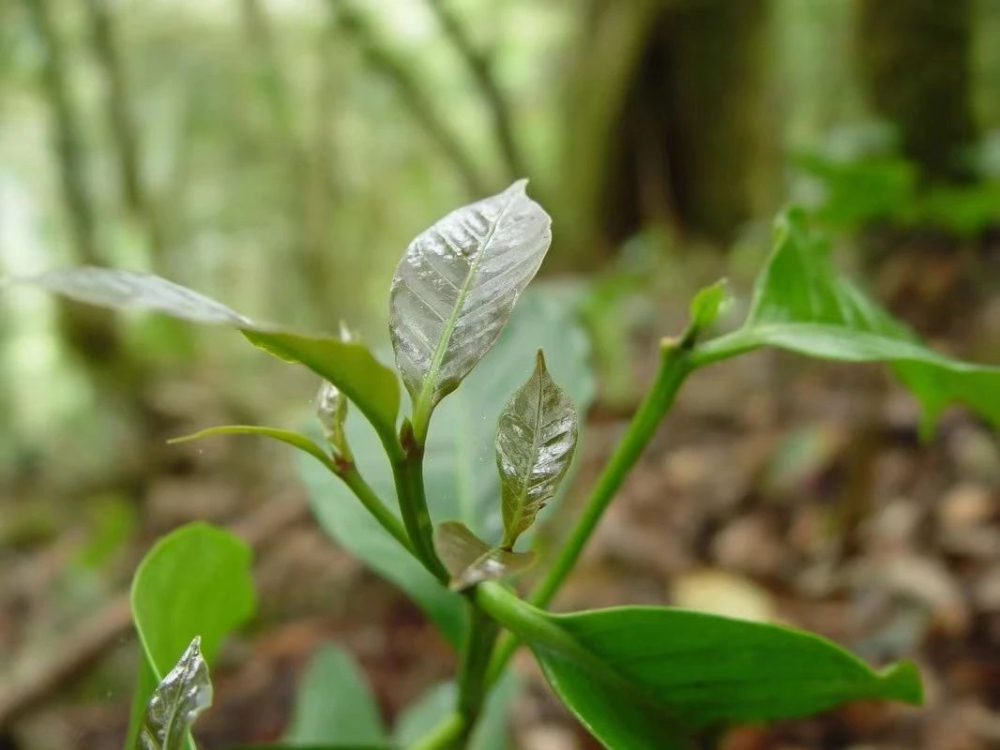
{"x": 472, "y": 684}
{"x": 445, "y": 736}
{"x": 675, "y": 366}
{"x": 374, "y": 505}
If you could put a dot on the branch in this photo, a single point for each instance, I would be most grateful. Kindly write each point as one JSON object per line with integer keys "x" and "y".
{"x": 410, "y": 92}
{"x": 481, "y": 68}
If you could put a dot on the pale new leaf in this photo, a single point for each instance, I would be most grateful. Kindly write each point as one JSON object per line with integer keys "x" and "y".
{"x": 469, "y": 560}
{"x": 184, "y": 693}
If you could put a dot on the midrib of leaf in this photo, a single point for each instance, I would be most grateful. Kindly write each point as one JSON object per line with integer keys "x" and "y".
{"x": 427, "y": 391}
{"x": 521, "y": 498}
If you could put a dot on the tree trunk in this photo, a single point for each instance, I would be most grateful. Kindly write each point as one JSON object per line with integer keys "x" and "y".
{"x": 915, "y": 62}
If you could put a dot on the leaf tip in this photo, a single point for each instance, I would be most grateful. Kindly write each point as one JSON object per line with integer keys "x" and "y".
{"x": 901, "y": 681}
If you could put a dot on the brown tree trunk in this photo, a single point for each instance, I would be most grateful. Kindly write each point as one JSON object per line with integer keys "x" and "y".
{"x": 915, "y": 62}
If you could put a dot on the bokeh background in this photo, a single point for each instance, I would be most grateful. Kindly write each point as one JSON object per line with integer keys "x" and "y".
{"x": 278, "y": 155}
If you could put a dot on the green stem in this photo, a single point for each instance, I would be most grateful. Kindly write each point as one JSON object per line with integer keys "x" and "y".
{"x": 472, "y": 684}
{"x": 675, "y": 366}
{"x": 350, "y": 476}
{"x": 445, "y": 736}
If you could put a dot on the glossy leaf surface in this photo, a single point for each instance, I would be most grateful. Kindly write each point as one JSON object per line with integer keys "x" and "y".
{"x": 455, "y": 287}
{"x": 458, "y": 468}
{"x": 536, "y": 437}
{"x": 184, "y": 693}
{"x": 801, "y": 304}
{"x": 347, "y": 364}
{"x": 334, "y": 705}
{"x": 469, "y": 560}
{"x": 196, "y": 581}
{"x": 650, "y": 677}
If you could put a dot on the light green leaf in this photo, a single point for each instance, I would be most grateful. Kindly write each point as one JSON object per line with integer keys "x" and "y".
{"x": 459, "y": 453}
{"x": 347, "y": 364}
{"x": 707, "y": 305}
{"x": 335, "y": 705}
{"x": 184, "y": 693}
{"x": 536, "y": 437}
{"x": 296, "y": 439}
{"x": 196, "y": 581}
{"x": 490, "y": 732}
{"x": 802, "y": 305}
{"x": 651, "y": 677}
{"x": 469, "y": 560}
{"x": 454, "y": 290}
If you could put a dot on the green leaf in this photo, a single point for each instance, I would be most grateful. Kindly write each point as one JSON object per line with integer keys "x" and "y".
{"x": 490, "y": 732}
{"x": 331, "y": 411}
{"x": 459, "y": 453}
{"x": 349, "y": 365}
{"x": 469, "y": 560}
{"x": 454, "y": 290}
{"x": 184, "y": 693}
{"x": 802, "y": 305}
{"x": 296, "y": 439}
{"x": 652, "y": 677}
{"x": 536, "y": 438}
{"x": 196, "y": 581}
{"x": 334, "y": 704}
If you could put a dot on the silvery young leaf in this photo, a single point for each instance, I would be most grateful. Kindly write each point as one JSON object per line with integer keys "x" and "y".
{"x": 331, "y": 411}
{"x": 469, "y": 560}
{"x": 459, "y": 452}
{"x": 455, "y": 288}
{"x": 803, "y": 305}
{"x": 349, "y": 365}
{"x": 652, "y": 678}
{"x": 536, "y": 437}
{"x": 184, "y": 693}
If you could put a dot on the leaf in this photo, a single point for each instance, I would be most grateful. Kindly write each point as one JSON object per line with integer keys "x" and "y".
{"x": 708, "y": 304}
{"x": 303, "y": 442}
{"x": 347, "y": 364}
{"x": 184, "y": 693}
{"x": 195, "y": 581}
{"x": 335, "y": 705}
{"x": 455, "y": 287}
{"x": 331, "y": 411}
{"x": 652, "y": 677}
{"x": 490, "y": 732}
{"x": 469, "y": 560}
{"x": 459, "y": 453}
{"x": 536, "y": 437}
{"x": 802, "y": 305}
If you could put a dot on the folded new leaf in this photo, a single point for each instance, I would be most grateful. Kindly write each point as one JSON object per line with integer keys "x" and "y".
{"x": 349, "y": 365}
{"x": 469, "y": 560}
{"x": 651, "y": 677}
{"x": 454, "y": 290}
{"x": 184, "y": 693}
{"x": 801, "y": 304}
{"x": 536, "y": 436}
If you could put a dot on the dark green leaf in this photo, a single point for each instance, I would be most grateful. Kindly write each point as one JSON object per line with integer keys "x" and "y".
{"x": 334, "y": 704}
{"x": 469, "y": 560}
{"x": 650, "y": 677}
{"x": 196, "y": 581}
{"x": 801, "y": 304}
{"x": 455, "y": 288}
{"x": 290, "y": 437}
{"x": 536, "y": 437}
{"x": 459, "y": 454}
{"x": 184, "y": 693}
{"x": 347, "y": 364}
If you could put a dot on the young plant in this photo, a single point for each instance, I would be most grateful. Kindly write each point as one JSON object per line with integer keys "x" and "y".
{"x": 420, "y": 507}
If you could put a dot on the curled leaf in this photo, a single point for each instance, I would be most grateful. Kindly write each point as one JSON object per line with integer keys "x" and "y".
{"x": 469, "y": 560}
{"x": 454, "y": 290}
{"x": 708, "y": 304}
{"x": 536, "y": 436}
{"x": 331, "y": 411}
{"x": 184, "y": 693}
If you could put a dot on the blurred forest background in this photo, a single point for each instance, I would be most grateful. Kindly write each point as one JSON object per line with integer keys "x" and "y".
{"x": 278, "y": 155}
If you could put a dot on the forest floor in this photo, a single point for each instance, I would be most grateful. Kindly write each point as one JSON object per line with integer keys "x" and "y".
{"x": 778, "y": 489}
